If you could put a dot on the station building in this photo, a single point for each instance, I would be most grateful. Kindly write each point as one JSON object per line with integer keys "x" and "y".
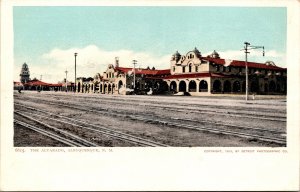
{"x": 190, "y": 73}
{"x": 120, "y": 80}
{"x": 26, "y": 83}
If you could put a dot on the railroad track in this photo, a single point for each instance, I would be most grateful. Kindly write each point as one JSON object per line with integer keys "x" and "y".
{"x": 171, "y": 123}
{"x": 220, "y": 112}
{"x": 199, "y": 108}
{"x": 91, "y": 127}
{"x": 68, "y": 142}
{"x": 128, "y": 114}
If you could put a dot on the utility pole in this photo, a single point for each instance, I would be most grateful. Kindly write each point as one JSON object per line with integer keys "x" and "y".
{"x": 246, "y": 49}
{"x": 134, "y": 63}
{"x": 41, "y": 83}
{"x": 75, "y": 54}
{"x": 66, "y": 80}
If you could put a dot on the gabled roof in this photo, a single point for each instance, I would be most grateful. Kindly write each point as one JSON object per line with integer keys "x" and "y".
{"x": 237, "y": 63}
{"x": 144, "y": 71}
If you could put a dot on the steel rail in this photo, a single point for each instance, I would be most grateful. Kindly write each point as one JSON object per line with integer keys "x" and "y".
{"x": 104, "y": 130}
{"x": 120, "y": 114}
{"x": 48, "y": 134}
{"x": 218, "y": 111}
{"x": 212, "y": 130}
{"x": 84, "y": 142}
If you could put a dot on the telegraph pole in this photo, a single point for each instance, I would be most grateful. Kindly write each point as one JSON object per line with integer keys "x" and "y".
{"x": 41, "y": 81}
{"x": 75, "y": 54}
{"x": 66, "y": 80}
{"x": 134, "y": 63}
{"x": 246, "y": 49}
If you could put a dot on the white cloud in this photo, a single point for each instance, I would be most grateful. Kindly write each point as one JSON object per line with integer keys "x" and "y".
{"x": 90, "y": 60}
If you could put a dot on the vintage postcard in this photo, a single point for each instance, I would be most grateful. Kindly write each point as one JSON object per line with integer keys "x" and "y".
{"x": 156, "y": 95}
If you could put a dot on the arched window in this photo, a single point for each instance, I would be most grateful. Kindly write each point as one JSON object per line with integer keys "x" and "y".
{"x": 192, "y": 86}
{"x": 203, "y": 86}
{"x": 183, "y": 69}
{"x": 190, "y": 67}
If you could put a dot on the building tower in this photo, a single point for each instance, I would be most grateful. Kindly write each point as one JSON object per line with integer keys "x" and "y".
{"x": 24, "y": 75}
{"x": 116, "y": 61}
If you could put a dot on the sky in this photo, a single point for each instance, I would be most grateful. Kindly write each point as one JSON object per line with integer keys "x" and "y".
{"x": 46, "y": 38}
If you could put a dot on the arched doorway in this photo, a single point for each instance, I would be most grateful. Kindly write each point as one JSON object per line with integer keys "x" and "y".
{"x": 278, "y": 88}
{"x": 192, "y": 86}
{"x": 156, "y": 86}
{"x": 182, "y": 86}
{"x": 227, "y": 86}
{"x": 96, "y": 86}
{"x": 272, "y": 86}
{"x": 109, "y": 88}
{"x": 148, "y": 85}
{"x": 173, "y": 86}
{"x": 105, "y": 88}
{"x": 203, "y": 86}
{"x": 78, "y": 87}
{"x": 236, "y": 86}
{"x": 217, "y": 86}
{"x": 164, "y": 86}
{"x": 244, "y": 86}
{"x": 113, "y": 88}
{"x": 266, "y": 88}
{"x": 120, "y": 85}
{"x": 254, "y": 88}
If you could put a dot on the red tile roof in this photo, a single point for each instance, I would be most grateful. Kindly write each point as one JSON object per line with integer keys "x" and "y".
{"x": 36, "y": 83}
{"x": 144, "y": 71}
{"x": 41, "y": 83}
{"x": 237, "y": 63}
{"x": 195, "y": 75}
{"x": 57, "y": 84}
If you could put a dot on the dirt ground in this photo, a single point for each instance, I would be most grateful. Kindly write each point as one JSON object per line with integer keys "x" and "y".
{"x": 116, "y": 112}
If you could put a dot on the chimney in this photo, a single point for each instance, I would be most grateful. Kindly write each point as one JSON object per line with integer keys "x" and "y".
{"x": 116, "y": 61}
